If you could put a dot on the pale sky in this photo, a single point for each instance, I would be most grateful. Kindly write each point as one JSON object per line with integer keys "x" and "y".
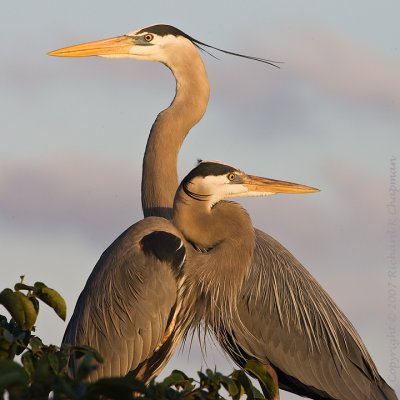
{"x": 74, "y": 132}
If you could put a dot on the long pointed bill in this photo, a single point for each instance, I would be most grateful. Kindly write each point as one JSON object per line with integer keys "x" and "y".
{"x": 256, "y": 185}
{"x": 107, "y": 47}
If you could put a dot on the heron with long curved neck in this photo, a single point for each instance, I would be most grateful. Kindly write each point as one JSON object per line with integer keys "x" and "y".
{"x": 295, "y": 326}
{"x": 178, "y": 51}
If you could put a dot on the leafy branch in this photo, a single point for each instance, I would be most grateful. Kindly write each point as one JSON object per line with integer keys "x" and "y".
{"x": 44, "y": 368}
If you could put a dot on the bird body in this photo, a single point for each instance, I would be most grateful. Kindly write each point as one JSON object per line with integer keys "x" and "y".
{"x": 299, "y": 330}
{"x": 168, "y": 131}
{"x": 294, "y": 325}
{"x": 204, "y": 222}
{"x": 278, "y": 314}
{"x": 128, "y": 308}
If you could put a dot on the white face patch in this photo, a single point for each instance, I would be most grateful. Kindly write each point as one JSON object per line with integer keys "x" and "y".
{"x": 217, "y": 188}
{"x": 210, "y": 185}
{"x": 160, "y": 49}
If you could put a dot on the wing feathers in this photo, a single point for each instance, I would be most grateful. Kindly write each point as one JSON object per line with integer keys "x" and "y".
{"x": 126, "y": 304}
{"x": 299, "y": 330}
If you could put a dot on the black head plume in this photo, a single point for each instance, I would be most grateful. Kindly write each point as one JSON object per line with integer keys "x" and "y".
{"x": 163, "y": 30}
{"x": 198, "y": 44}
{"x": 204, "y": 169}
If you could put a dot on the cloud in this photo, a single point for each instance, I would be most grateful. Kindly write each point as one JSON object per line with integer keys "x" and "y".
{"x": 87, "y": 195}
{"x": 342, "y": 66}
{"x": 315, "y": 58}
{"x": 97, "y": 197}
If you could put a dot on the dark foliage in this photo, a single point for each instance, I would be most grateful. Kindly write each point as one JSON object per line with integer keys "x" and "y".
{"x": 43, "y": 368}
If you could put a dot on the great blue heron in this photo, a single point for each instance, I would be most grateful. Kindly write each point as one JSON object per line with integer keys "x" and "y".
{"x": 213, "y": 281}
{"x": 314, "y": 349}
{"x": 129, "y": 306}
{"x": 232, "y": 300}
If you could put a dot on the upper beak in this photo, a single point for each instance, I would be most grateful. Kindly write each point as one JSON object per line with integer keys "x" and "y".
{"x": 113, "y": 46}
{"x": 272, "y": 186}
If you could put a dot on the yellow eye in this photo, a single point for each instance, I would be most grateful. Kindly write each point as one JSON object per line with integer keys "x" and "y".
{"x": 149, "y": 37}
{"x": 231, "y": 177}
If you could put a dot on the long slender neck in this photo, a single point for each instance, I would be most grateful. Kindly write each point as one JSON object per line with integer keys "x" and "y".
{"x": 160, "y": 176}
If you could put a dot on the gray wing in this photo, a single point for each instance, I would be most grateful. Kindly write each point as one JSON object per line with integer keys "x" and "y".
{"x": 129, "y": 302}
{"x": 298, "y": 329}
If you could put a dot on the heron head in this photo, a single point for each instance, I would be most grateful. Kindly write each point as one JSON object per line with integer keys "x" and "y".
{"x": 152, "y": 43}
{"x": 214, "y": 181}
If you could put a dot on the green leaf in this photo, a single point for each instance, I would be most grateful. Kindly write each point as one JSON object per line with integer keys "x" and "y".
{"x": 80, "y": 351}
{"x": 62, "y": 360}
{"x": 201, "y": 375}
{"x": 27, "y": 360}
{"x": 36, "y": 344}
{"x": 30, "y": 312}
{"x": 35, "y": 303}
{"x": 22, "y": 286}
{"x": 245, "y": 382}
{"x": 86, "y": 365}
{"x": 54, "y": 363}
{"x": 260, "y": 371}
{"x": 115, "y": 388}
{"x": 6, "y": 335}
{"x": 231, "y": 386}
{"x": 12, "y": 303}
{"x": 52, "y": 298}
{"x": 3, "y": 321}
{"x": 176, "y": 378}
{"x": 12, "y": 374}
{"x": 6, "y": 342}
{"x": 65, "y": 388}
{"x": 38, "y": 286}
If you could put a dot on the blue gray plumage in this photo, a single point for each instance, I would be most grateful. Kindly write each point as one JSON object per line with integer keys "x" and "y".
{"x": 128, "y": 308}
{"x": 282, "y": 316}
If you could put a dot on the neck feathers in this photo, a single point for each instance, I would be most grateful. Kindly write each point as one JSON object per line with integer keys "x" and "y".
{"x": 213, "y": 280}
{"x": 160, "y": 177}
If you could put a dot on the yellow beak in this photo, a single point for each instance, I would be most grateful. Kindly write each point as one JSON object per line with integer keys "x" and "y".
{"x": 265, "y": 185}
{"x": 113, "y": 46}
